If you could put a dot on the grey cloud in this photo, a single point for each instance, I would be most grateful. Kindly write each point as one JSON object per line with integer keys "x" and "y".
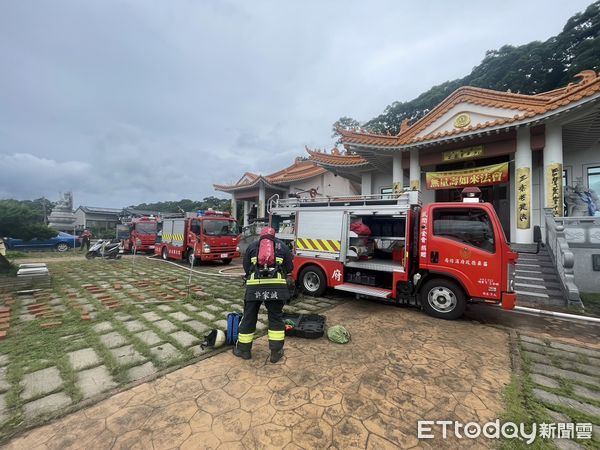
{"x": 127, "y": 101}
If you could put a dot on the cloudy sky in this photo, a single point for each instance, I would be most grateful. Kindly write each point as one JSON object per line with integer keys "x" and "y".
{"x": 135, "y": 101}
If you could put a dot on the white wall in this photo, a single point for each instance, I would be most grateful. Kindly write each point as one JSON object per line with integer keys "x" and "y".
{"x": 384, "y": 180}
{"x": 327, "y": 184}
{"x": 576, "y": 163}
{"x": 79, "y": 218}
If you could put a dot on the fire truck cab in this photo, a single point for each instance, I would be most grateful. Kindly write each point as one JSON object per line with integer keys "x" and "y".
{"x": 201, "y": 236}
{"x": 439, "y": 256}
{"x": 140, "y": 234}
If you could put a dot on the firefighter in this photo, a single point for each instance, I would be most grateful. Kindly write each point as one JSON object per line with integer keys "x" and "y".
{"x": 268, "y": 266}
{"x": 85, "y": 239}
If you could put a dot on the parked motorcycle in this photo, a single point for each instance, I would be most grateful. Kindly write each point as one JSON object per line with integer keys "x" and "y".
{"x": 104, "y": 248}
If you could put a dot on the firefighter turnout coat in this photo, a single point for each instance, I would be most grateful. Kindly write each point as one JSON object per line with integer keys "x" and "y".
{"x": 271, "y": 286}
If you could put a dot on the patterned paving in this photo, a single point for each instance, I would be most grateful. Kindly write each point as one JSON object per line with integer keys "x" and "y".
{"x": 401, "y": 366}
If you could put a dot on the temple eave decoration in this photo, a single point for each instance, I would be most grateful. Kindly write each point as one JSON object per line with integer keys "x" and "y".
{"x": 519, "y": 107}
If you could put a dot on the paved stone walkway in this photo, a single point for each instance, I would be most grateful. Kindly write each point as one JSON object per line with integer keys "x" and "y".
{"x": 401, "y": 366}
{"x": 567, "y": 382}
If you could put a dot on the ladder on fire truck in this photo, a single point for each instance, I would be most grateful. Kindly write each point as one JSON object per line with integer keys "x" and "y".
{"x": 404, "y": 199}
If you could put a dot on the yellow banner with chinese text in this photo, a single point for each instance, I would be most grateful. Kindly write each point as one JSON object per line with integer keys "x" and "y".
{"x": 554, "y": 188}
{"x": 523, "y": 198}
{"x": 479, "y": 176}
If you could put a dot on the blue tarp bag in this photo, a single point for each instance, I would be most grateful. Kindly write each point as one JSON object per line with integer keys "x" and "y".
{"x": 233, "y": 325}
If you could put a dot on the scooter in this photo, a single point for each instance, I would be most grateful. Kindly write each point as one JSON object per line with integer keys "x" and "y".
{"x": 104, "y": 248}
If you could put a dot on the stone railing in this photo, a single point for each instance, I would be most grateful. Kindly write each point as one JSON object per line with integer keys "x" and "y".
{"x": 562, "y": 256}
{"x": 581, "y": 231}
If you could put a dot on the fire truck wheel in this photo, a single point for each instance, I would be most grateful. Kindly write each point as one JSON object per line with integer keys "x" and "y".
{"x": 443, "y": 299}
{"x": 226, "y": 261}
{"x": 313, "y": 281}
{"x": 165, "y": 253}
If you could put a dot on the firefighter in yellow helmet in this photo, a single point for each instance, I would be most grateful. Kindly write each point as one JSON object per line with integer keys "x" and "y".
{"x": 268, "y": 265}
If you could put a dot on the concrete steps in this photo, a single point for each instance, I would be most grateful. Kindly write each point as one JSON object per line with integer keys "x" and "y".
{"x": 537, "y": 282}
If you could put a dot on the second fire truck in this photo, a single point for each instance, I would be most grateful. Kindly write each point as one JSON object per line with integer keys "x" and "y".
{"x": 439, "y": 256}
{"x": 139, "y": 235}
{"x": 202, "y": 236}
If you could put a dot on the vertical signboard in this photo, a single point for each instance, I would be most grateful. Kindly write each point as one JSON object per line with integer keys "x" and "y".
{"x": 523, "y": 198}
{"x": 554, "y": 190}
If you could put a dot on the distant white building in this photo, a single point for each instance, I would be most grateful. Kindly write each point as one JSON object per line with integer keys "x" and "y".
{"x": 97, "y": 218}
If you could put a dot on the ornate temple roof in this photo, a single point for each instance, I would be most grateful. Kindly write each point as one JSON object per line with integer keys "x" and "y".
{"x": 336, "y": 158}
{"x": 301, "y": 169}
{"x": 519, "y": 107}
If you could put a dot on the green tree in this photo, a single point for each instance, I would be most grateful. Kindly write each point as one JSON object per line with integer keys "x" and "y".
{"x": 186, "y": 205}
{"x": 344, "y": 123}
{"x": 21, "y": 220}
{"x": 528, "y": 69}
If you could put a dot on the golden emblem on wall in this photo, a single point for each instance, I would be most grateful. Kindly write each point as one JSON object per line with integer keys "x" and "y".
{"x": 462, "y": 120}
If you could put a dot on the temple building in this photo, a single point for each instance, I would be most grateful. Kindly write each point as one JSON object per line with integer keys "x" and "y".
{"x": 523, "y": 151}
{"x": 303, "y": 177}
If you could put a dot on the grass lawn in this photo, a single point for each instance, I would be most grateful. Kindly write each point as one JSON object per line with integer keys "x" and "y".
{"x": 109, "y": 323}
{"x": 42, "y": 254}
{"x": 523, "y": 405}
{"x": 591, "y": 301}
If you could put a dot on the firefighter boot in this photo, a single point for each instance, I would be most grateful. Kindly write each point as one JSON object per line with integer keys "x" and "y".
{"x": 276, "y": 355}
{"x": 242, "y": 351}
{"x": 244, "y": 354}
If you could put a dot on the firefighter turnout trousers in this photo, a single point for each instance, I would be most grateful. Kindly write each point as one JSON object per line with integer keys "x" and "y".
{"x": 248, "y": 324}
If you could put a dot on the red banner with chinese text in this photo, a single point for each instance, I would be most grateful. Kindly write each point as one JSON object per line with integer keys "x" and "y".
{"x": 479, "y": 176}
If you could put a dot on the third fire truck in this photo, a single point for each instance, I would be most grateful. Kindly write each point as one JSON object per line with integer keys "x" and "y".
{"x": 139, "y": 235}
{"x": 202, "y": 236}
{"x": 439, "y": 256}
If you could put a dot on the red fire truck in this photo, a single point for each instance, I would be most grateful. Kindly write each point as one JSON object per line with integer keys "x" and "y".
{"x": 439, "y": 256}
{"x": 202, "y": 236}
{"x": 141, "y": 234}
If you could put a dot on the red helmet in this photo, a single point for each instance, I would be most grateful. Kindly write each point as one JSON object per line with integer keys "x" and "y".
{"x": 267, "y": 231}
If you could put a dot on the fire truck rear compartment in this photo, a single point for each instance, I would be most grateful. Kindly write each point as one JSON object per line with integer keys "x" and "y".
{"x": 385, "y": 246}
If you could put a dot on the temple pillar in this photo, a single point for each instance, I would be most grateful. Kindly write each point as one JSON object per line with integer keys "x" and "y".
{"x": 261, "y": 201}
{"x": 521, "y": 226}
{"x": 415, "y": 170}
{"x": 366, "y": 184}
{"x": 246, "y": 212}
{"x": 553, "y": 169}
{"x": 233, "y": 207}
{"x": 397, "y": 175}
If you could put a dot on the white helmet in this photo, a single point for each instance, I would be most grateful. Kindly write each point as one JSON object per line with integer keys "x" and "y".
{"x": 220, "y": 339}
{"x": 216, "y": 338}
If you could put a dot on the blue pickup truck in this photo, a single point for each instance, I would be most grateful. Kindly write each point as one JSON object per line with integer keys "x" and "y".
{"x": 61, "y": 243}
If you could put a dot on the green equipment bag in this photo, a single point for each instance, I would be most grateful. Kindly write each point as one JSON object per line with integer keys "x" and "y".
{"x": 338, "y": 334}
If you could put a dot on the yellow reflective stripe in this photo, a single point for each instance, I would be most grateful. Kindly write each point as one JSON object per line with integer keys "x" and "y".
{"x": 279, "y": 260}
{"x": 245, "y": 338}
{"x": 320, "y": 245}
{"x": 327, "y": 246}
{"x": 276, "y": 335}
{"x": 270, "y": 281}
{"x": 253, "y": 260}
